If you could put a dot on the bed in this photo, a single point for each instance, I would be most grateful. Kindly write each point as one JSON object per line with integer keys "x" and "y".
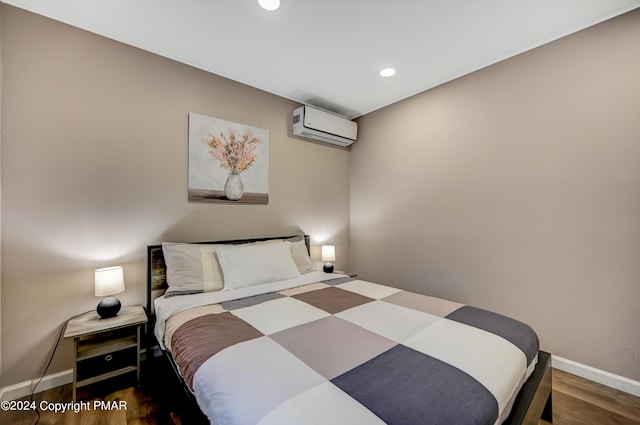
{"x": 277, "y": 342}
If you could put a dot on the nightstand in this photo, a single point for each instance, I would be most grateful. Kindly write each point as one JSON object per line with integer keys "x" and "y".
{"x": 105, "y": 348}
{"x": 347, "y": 273}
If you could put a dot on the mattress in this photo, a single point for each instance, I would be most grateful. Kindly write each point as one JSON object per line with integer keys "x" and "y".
{"x": 344, "y": 350}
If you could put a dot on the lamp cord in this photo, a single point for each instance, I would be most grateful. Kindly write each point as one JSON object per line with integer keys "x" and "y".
{"x": 53, "y": 352}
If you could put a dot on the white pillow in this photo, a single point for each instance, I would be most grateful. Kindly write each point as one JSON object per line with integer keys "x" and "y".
{"x": 191, "y": 268}
{"x": 248, "y": 265}
{"x": 299, "y": 252}
{"x": 301, "y": 256}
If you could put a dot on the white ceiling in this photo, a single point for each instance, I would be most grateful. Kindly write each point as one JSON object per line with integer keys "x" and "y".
{"x": 328, "y": 52}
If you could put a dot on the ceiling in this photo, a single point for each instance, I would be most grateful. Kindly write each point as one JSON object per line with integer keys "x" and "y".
{"x": 328, "y": 53}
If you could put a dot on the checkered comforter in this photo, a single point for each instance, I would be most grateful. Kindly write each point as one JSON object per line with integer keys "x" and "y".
{"x": 350, "y": 352}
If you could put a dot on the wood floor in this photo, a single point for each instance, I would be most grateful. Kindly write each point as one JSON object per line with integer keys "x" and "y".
{"x": 575, "y": 402}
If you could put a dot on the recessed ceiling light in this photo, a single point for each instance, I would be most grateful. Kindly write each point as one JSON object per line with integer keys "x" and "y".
{"x": 387, "y": 72}
{"x": 269, "y": 4}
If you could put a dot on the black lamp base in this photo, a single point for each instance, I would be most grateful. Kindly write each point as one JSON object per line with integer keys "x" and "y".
{"x": 328, "y": 268}
{"x": 109, "y": 307}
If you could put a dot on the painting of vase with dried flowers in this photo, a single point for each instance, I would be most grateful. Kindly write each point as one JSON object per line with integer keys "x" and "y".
{"x": 228, "y": 161}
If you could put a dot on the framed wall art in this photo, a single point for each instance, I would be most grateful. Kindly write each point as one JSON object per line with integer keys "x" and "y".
{"x": 228, "y": 161}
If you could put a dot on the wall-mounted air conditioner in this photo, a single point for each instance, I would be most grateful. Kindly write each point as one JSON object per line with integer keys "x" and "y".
{"x": 316, "y": 124}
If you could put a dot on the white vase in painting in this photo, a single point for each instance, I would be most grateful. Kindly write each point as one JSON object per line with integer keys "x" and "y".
{"x": 233, "y": 188}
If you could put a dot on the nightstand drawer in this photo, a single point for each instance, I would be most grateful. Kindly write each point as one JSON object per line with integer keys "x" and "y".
{"x": 96, "y": 347}
{"x": 106, "y": 363}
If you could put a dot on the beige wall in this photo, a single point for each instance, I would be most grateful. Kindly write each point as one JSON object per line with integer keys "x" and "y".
{"x": 517, "y": 188}
{"x": 94, "y": 168}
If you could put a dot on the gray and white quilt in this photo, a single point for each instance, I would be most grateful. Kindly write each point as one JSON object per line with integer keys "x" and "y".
{"x": 350, "y": 352}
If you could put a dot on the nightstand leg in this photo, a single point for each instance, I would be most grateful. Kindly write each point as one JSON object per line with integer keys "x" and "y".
{"x": 138, "y": 355}
{"x": 76, "y": 343}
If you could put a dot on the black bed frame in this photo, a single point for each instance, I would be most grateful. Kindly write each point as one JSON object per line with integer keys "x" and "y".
{"x": 532, "y": 403}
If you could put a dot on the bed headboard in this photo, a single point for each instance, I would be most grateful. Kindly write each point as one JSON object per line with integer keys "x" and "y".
{"x": 157, "y": 269}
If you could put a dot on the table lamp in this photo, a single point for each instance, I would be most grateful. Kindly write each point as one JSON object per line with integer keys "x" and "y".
{"x": 109, "y": 281}
{"x": 328, "y": 255}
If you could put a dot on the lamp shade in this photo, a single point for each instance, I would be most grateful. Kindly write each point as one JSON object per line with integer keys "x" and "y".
{"x": 269, "y": 5}
{"x": 109, "y": 281}
{"x": 328, "y": 253}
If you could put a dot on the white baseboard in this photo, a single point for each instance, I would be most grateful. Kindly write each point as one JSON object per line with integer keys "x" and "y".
{"x": 596, "y": 375}
{"x": 24, "y": 389}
